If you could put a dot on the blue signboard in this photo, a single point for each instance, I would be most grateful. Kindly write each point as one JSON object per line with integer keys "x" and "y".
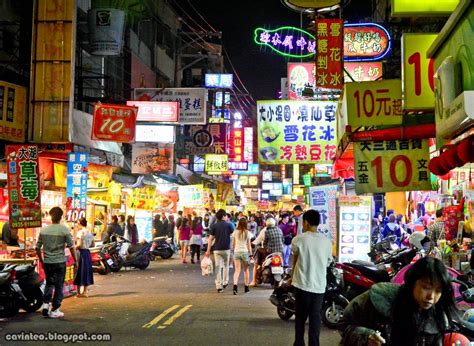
{"x": 76, "y": 190}
{"x": 223, "y": 81}
{"x": 253, "y": 169}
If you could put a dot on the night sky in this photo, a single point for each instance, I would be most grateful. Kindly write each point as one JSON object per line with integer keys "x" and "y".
{"x": 259, "y": 68}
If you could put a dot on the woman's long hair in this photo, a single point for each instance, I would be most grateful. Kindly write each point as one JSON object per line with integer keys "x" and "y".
{"x": 405, "y": 327}
{"x": 242, "y": 228}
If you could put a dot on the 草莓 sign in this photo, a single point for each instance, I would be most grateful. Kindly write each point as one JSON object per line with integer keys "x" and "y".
{"x": 296, "y": 131}
{"x": 384, "y": 166}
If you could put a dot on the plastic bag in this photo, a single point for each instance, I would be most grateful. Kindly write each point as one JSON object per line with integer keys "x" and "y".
{"x": 206, "y": 266}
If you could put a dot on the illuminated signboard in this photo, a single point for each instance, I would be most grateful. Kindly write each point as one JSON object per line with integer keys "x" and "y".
{"x": 362, "y": 41}
{"x": 248, "y": 144}
{"x": 300, "y": 76}
{"x": 216, "y": 164}
{"x": 214, "y": 80}
{"x": 237, "y": 139}
{"x": 248, "y": 180}
{"x": 238, "y": 166}
{"x": 155, "y": 133}
{"x": 267, "y": 175}
{"x": 218, "y": 101}
{"x": 166, "y": 112}
{"x": 410, "y": 8}
{"x": 330, "y": 53}
{"x": 362, "y": 71}
{"x": 252, "y": 169}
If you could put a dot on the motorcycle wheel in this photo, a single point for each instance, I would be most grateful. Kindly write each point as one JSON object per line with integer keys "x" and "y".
{"x": 118, "y": 265}
{"x": 34, "y": 299}
{"x": 9, "y": 306}
{"x": 332, "y": 316}
{"x": 105, "y": 270}
{"x": 167, "y": 255}
{"x": 285, "y": 315}
{"x": 144, "y": 265}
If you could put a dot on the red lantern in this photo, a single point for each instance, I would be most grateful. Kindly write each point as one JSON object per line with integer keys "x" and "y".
{"x": 451, "y": 159}
{"x": 465, "y": 150}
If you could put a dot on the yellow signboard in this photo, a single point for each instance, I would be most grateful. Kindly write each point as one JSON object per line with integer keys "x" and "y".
{"x": 143, "y": 198}
{"x": 409, "y": 8}
{"x": 12, "y": 112}
{"x": 52, "y": 71}
{"x": 391, "y": 166}
{"x": 374, "y": 103}
{"x": 217, "y": 163}
{"x": 417, "y": 72}
{"x": 313, "y": 3}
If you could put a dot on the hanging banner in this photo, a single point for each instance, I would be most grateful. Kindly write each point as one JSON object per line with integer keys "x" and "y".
{"x": 205, "y": 139}
{"x": 391, "y": 166}
{"x": 417, "y": 72}
{"x": 166, "y": 201}
{"x": 143, "y": 198}
{"x": 115, "y": 123}
{"x": 191, "y": 195}
{"x": 216, "y": 164}
{"x": 296, "y": 131}
{"x": 114, "y": 193}
{"x": 23, "y": 186}
{"x": 76, "y": 190}
{"x": 323, "y": 200}
{"x": 329, "y": 53}
{"x": 354, "y": 227}
{"x": 374, "y": 103}
{"x": 152, "y": 158}
{"x": 192, "y": 101}
{"x": 12, "y": 112}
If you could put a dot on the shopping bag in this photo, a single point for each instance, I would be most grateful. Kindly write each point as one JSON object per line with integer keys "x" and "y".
{"x": 206, "y": 266}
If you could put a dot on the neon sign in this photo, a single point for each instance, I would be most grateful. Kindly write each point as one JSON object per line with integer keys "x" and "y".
{"x": 362, "y": 42}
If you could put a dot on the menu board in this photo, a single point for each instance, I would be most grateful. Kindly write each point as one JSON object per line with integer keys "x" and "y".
{"x": 354, "y": 228}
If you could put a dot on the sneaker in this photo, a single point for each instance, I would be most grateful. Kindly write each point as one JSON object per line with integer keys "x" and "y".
{"x": 56, "y": 314}
{"x": 45, "y": 310}
{"x": 220, "y": 290}
{"x": 225, "y": 286}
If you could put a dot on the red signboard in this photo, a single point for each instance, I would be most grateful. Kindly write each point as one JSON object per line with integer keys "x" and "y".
{"x": 23, "y": 186}
{"x": 114, "y": 123}
{"x": 237, "y": 145}
{"x": 329, "y": 56}
{"x": 156, "y": 111}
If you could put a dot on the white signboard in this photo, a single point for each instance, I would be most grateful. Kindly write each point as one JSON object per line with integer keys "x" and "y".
{"x": 155, "y": 133}
{"x": 192, "y": 101}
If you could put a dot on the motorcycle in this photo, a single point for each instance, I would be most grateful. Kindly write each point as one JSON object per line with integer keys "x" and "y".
{"x": 20, "y": 288}
{"x": 101, "y": 261}
{"x": 270, "y": 271}
{"x": 136, "y": 255}
{"x": 163, "y": 247}
{"x": 334, "y": 302}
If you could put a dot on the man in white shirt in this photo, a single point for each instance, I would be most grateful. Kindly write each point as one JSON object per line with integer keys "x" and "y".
{"x": 312, "y": 253}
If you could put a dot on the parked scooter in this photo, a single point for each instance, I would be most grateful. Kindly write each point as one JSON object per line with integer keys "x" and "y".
{"x": 20, "y": 287}
{"x": 101, "y": 261}
{"x": 136, "y": 255}
{"x": 163, "y": 247}
{"x": 270, "y": 271}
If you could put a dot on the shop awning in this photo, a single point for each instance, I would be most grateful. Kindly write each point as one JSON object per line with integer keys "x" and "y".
{"x": 81, "y": 130}
{"x": 344, "y": 165}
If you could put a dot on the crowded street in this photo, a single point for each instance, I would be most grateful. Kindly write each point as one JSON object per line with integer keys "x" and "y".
{"x": 131, "y": 306}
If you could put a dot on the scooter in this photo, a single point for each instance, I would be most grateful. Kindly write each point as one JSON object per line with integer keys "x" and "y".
{"x": 31, "y": 284}
{"x": 163, "y": 247}
{"x": 270, "y": 271}
{"x": 101, "y": 261}
{"x": 136, "y": 255}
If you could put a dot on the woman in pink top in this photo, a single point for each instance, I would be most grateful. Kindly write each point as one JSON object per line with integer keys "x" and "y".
{"x": 184, "y": 235}
{"x": 196, "y": 239}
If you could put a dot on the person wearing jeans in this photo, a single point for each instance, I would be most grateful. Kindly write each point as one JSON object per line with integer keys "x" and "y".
{"x": 52, "y": 240}
{"x": 312, "y": 253}
{"x": 220, "y": 233}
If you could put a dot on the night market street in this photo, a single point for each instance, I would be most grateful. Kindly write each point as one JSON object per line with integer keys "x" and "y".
{"x": 123, "y": 304}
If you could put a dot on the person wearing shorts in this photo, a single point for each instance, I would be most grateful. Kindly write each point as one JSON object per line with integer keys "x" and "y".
{"x": 242, "y": 252}
{"x": 184, "y": 236}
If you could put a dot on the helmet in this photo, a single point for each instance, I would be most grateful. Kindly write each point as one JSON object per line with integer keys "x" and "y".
{"x": 469, "y": 315}
{"x": 417, "y": 239}
{"x": 455, "y": 339}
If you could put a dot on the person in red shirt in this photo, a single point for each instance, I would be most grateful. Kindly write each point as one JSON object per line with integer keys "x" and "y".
{"x": 184, "y": 236}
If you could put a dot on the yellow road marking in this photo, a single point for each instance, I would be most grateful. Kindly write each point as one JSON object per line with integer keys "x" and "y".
{"x": 160, "y": 317}
{"x": 175, "y": 317}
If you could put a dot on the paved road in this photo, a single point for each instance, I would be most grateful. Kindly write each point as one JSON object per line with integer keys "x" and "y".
{"x": 167, "y": 304}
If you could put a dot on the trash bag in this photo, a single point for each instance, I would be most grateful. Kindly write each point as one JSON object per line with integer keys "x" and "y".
{"x": 206, "y": 266}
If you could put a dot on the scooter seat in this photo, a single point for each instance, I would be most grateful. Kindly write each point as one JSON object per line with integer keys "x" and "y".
{"x": 23, "y": 269}
{"x": 365, "y": 263}
{"x": 371, "y": 273}
{"x": 135, "y": 248}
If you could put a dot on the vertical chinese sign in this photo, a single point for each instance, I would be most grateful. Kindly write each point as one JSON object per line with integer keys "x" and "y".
{"x": 323, "y": 199}
{"x": 23, "y": 186}
{"x": 76, "y": 191}
{"x": 386, "y": 166}
{"x": 329, "y": 53}
{"x": 292, "y": 132}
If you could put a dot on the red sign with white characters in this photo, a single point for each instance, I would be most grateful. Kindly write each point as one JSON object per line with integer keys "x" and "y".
{"x": 330, "y": 54}
{"x": 156, "y": 111}
{"x": 23, "y": 186}
{"x": 115, "y": 123}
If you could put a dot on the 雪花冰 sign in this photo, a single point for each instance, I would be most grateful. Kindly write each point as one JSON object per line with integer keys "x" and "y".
{"x": 384, "y": 166}
{"x": 76, "y": 190}
{"x": 192, "y": 102}
{"x": 216, "y": 163}
{"x": 114, "y": 123}
{"x": 296, "y": 131}
{"x": 329, "y": 53}
{"x": 23, "y": 186}
{"x": 374, "y": 103}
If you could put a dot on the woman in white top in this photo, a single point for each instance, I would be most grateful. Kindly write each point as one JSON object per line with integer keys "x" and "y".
{"x": 84, "y": 276}
{"x": 242, "y": 252}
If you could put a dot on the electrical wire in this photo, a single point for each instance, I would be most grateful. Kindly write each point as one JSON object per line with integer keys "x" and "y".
{"x": 200, "y": 16}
